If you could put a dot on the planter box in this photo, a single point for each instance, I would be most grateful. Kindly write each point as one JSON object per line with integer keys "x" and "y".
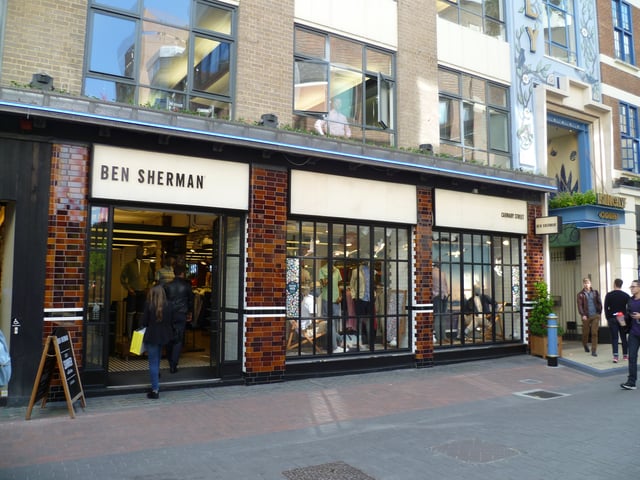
{"x": 538, "y": 346}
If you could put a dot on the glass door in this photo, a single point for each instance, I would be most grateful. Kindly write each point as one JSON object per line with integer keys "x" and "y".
{"x": 99, "y": 315}
{"x": 228, "y": 305}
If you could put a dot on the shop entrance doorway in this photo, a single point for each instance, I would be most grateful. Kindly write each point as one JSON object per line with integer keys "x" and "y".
{"x": 207, "y": 245}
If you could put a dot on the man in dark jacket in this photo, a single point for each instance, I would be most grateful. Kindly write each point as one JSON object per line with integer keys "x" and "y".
{"x": 180, "y": 295}
{"x": 590, "y": 309}
{"x": 616, "y": 302}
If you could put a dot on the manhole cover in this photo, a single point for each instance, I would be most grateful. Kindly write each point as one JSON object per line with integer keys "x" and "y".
{"x": 476, "y": 451}
{"x": 541, "y": 394}
{"x": 327, "y": 471}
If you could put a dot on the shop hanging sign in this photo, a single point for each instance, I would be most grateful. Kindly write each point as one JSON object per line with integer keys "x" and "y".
{"x": 548, "y": 225}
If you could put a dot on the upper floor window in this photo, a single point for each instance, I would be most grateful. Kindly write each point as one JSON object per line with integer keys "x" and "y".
{"x": 486, "y": 16}
{"x": 474, "y": 118}
{"x": 343, "y": 88}
{"x": 629, "y": 137}
{"x": 559, "y": 24}
{"x": 175, "y": 55}
{"x": 622, "y": 31}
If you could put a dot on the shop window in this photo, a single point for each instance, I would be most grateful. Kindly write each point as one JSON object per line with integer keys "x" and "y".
{"x": 474, "y": 118}
{"x": 173, "y": 56}
{"x": 629, "y": 138}
{"x": 343, "y": 88}
{"x": 476, "y": 288}
{"x": 622, "y": 31}
{"x": 559, "y": 23}
{"x": 347, "y": 289}
{"x": 486, "y": 16}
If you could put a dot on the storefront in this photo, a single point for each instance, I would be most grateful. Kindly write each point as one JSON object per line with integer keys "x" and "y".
{"x": 478, "y": 244}
{"x": 299, "y": 267}
{"x": 179, "y": 209}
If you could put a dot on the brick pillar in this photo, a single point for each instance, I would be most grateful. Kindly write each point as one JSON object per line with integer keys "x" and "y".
{"x": 424, "y": 280}
{"x": 534, "y": 254}
{"x": 265, "y": 282}
{"x": 68, "y": 210}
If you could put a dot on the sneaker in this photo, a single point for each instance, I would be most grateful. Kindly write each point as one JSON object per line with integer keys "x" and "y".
{"x": 155, "y": 395}
{"x": 615, "y": 359}
{"x": 586, "y": 349}
{"x": 628, "y": 386}
{"x": 625, "y": 357}
{"x": 594, "y": 354}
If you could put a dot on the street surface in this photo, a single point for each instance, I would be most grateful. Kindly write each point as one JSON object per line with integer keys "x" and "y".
{"x": 471, "y": 421}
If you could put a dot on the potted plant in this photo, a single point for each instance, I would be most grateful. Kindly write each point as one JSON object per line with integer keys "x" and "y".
{"x": 542, "y": 307}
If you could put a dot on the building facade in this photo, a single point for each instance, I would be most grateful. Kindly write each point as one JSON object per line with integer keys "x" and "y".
{"x": 347, "y": 189}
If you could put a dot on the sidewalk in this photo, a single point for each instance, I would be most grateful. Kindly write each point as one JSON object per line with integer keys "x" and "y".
{"x": 467, "y": 420}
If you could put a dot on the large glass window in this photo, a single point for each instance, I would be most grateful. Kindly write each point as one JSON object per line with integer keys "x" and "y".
{"x": 172, "y": 55}
{"x": 474, "y": 118}
{"x": 343, "y": 88}
{"x": 476, "y": 288}
{"x": 559, "y": 24}
{"x": 347, "y": 288}
{"x": 622, "y": 31}
{"x": 629, "y": 138}
{"x": 486, "y": 16}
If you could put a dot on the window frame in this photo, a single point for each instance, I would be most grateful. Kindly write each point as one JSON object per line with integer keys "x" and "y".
{"x": 623, "y": 34}
{"x": 487, "y": 18}
{"x": 189, "y": 94}
{"x": 466, "y": 144}
{"x": 629, "y": 135}
{"x": 314, "y": 247}
{"x": 570, "y": 47}
{"x": 360, "y": 120}
{"x": 490, "y": 260}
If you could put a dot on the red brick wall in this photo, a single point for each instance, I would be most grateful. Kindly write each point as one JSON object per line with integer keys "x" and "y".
{"x": 68, "y": 210}
{"x": 265, "y": 282}
{"x": 424, "y": 280}
{"x": 534, "y": 259}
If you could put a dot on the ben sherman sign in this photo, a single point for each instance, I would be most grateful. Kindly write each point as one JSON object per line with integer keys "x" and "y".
{"x": 152, "y": 177}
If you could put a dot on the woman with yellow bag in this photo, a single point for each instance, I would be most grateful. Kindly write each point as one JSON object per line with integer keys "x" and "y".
{"x": 157, "y": 318}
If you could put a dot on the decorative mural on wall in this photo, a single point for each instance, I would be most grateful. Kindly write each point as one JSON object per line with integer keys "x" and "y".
{"x": 533, "y": 67}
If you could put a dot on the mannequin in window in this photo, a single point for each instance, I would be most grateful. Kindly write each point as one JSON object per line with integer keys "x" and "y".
{"x": 335, "y": 123}
{"x": 478, "y": 310}
{"x": 362, "y": 296}
{"x": 440, "y": 297}
{"x": 331, "y": 301}
{"x": 136, "y": 278}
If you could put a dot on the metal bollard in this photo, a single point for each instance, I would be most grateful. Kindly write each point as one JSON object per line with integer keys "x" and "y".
{"x": 552, "y": 340}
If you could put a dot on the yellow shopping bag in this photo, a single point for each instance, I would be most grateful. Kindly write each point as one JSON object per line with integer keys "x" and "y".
{"x": 137, "y": 346}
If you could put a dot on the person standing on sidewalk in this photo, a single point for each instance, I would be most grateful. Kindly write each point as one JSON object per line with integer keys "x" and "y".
{"x": 633, "y": 320}
{"x": 180, "y": 296}
{"x": 615, "y": 302}
{"x": 157, "y": 318}
{"x": 590, "y": 309}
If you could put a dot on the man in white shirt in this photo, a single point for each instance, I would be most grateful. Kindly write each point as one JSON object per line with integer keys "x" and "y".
{"x": 335, "y": 123}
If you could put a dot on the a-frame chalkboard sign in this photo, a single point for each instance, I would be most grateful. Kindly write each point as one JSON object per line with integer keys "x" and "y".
{"x": 57, "y": 352}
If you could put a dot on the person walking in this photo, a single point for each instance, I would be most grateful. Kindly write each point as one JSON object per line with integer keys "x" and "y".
{"x": 180, "y": 295}
{"x": 615, "y": 302}
{"x": 157, "y": 318}
{"x": 632, "y": 318}
{"x": 590, "y": 309}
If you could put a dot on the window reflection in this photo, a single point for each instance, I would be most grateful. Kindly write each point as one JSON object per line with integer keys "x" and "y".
{"x": 476, "y": 288}
{"x": 159, "y": 61}
{"x": 361, "y": 77}
{"x": 347, "y": 288}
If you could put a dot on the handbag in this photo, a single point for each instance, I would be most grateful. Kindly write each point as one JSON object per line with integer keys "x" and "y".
{"x": 137, "y": 344}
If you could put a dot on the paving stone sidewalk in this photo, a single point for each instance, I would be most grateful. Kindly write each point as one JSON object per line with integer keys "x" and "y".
{"x": 477, "y": 420}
